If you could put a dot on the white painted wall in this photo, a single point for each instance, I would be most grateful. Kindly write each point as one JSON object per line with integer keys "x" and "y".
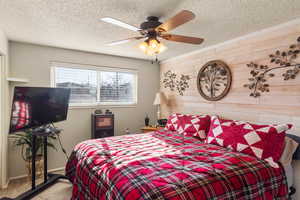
{"x": 33, "y": 62}
{"x": 3, "y": 43}
{"x": 4, "y": 96}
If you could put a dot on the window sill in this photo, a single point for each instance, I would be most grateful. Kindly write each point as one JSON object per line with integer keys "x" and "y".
{"x": 101, "y": 106}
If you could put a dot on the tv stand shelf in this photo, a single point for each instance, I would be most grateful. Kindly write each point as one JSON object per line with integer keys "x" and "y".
{"x": 49, "y": 179}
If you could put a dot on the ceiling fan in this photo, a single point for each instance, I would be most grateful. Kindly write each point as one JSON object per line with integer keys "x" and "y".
{"x": 152, "y": 29}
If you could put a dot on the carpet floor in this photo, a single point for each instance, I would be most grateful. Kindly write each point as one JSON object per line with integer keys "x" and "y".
{"x": 62, "y": 190}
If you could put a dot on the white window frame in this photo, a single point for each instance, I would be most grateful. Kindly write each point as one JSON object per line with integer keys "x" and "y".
{"x": 98, "y": 69}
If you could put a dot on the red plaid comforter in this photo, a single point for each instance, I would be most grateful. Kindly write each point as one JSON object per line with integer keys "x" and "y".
{"x": 164, "y": 165}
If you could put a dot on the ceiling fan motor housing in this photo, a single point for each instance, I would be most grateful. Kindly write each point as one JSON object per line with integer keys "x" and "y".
{"x": 151, "y": 23}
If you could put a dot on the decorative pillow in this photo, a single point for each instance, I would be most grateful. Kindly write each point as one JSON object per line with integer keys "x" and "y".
{"x": 173, "y": 122}
{"x": 194, "y": 125}
{"x": 290, "y": 146}
{"x": 263, "y": 141}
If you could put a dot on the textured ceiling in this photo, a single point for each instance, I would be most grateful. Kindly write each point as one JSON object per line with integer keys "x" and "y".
{"x": 76, "y": 24}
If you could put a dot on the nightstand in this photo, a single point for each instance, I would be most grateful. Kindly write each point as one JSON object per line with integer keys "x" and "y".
{"x": 147, "y": 129}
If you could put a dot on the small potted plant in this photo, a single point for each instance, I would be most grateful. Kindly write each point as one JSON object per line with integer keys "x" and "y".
{"x": 24, "y": 140}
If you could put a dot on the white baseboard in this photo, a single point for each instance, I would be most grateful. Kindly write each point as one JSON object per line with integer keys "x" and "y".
{"x": 25, "y": 175}
{"x": 5, "y": 185}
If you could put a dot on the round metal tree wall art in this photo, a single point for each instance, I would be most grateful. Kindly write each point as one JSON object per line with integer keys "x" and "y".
{"x": 214, "y": 80}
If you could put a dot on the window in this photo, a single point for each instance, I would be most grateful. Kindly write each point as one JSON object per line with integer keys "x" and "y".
{"x": 117, "y": 87}
{"x": 83, "y": 84}
{"x": 96, "y": 85}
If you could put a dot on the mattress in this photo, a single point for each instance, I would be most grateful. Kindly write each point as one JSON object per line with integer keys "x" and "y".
{"x": 166, "y": 165}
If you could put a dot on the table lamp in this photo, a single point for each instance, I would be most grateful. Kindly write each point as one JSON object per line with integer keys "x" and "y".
{"x": 159, "y": 100}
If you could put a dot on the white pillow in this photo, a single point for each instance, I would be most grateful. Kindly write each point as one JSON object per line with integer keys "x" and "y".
{"x": 290, "y": 147}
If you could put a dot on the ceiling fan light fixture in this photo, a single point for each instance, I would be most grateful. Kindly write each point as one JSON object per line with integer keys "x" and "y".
{"x": 152, "y": 47}
{"x": 153, "y": 43}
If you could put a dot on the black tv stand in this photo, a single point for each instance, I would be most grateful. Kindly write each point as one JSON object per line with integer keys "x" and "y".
{"x": 49, "y": 179}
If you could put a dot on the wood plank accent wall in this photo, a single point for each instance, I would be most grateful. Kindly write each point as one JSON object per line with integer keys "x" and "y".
{"x": 281, "y": 105}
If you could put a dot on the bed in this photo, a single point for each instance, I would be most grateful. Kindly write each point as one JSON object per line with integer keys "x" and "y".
{"x": 168, "y": 165}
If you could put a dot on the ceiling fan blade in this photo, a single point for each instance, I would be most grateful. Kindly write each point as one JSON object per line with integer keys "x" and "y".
{"x": 179, "y": 19}
{"x": 119, "y": 23}
{"x": 182, "y": 38}
{"x": 124, "y": 41}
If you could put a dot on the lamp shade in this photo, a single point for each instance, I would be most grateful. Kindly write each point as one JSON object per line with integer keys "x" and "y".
{"x": 159, "y": 99}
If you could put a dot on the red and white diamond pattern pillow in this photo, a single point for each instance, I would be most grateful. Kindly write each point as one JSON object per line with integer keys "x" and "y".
{"x": 215, "y": 134}
{"x": 173, "y": 122}
{"x": 252, "y": 139}
{"x": 194, "y": 125}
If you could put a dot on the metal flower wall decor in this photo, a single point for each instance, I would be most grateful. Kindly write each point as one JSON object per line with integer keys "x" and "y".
{"x": 172, "y": 82}
{"x": 281, "y": 60}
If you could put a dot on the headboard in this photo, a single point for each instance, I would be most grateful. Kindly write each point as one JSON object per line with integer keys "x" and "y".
{"x": 296, "y": 155}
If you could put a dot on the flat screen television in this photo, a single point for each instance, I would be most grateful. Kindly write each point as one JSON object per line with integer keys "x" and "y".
{"x": 33, "y": 107}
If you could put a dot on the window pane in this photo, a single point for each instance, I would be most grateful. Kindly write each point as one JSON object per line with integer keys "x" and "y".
{"x": 83, "y": 83}
{"x": 117, "y": 87}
